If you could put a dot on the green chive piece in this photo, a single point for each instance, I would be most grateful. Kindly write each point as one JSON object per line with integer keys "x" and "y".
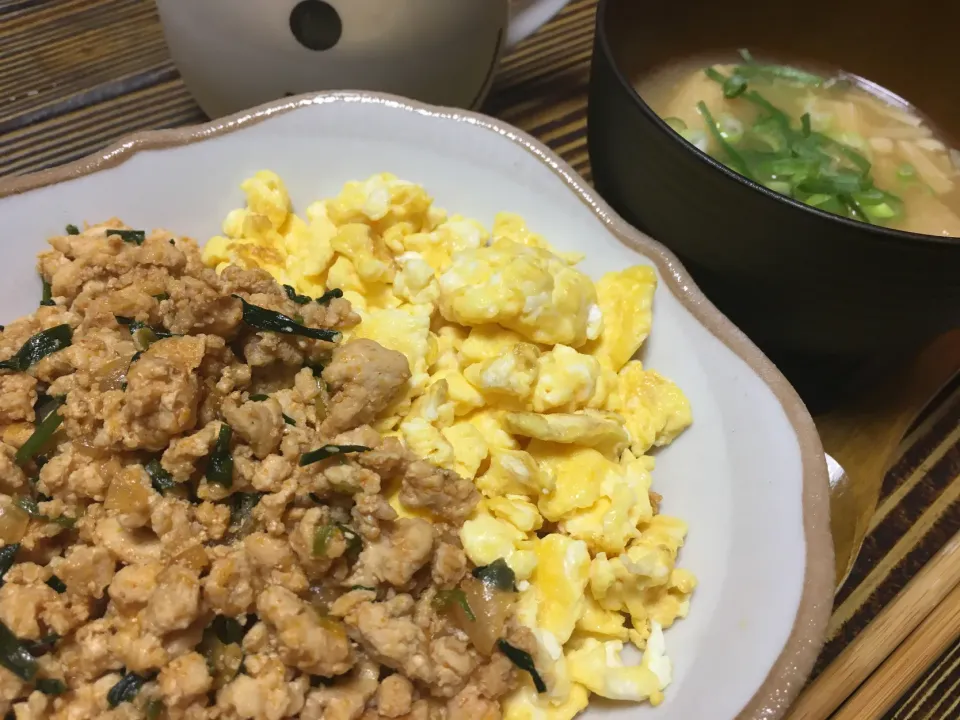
{"x": 523, "y": 660}
{"x": 126, "y": 689}
{"x": 734, "y": 86}
{"x": 73, "y": 229}
{"x": 160, "y": 479}
{"x": 321, "y": 538}
{"x": 220, "y": 466}
{"x": 57, "y": 584}
{"x": 131, "y": 236}
{"x": 38, "y": 440}
{"x": 330, "y": 295}
{"x": 363, "y": 587}
{"x": 153, "y": 709}
{"x": 269, "y": 320}
{"x": 292, "y": 294}
{"x": 50, "y": 686}
{"x": 328, "y": 451}
{"x": 15, "y": 657}
{"x": 38, "y": 347}
{"x": 144, "y": 335}
{"x": 258, "y": 397}
{"x": 445, "y": 598}
{"x": 497, "y": 574}
{"x": 8, "y": 554}
{"x": 734, "y": 157}
{"x": 47, "y": 296}
{"x": 162, "y": 296}
{"x": 227, "y": 629}
{"x": 241, "y": 509}
{"x": 288, "y": 420}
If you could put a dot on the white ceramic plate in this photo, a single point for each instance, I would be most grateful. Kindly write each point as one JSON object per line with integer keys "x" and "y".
{"x": 749, "y": 476}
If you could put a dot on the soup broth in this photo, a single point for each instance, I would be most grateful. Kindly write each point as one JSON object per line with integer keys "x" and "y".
{"x": 838, "y": 143}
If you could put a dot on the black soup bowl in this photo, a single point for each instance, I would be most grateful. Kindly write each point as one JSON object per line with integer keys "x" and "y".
{"x": 818, "y": 293}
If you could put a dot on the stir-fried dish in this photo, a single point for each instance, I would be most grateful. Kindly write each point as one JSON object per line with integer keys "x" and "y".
{"x": 193, "y": 515}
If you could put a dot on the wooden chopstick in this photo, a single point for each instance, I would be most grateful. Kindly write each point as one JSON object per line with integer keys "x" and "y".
{"x": 888, "y": 630}
{"x": 907, "y": 663}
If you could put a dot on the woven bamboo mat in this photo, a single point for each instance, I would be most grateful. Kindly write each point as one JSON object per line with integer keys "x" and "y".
{"x": 76, "y": 75}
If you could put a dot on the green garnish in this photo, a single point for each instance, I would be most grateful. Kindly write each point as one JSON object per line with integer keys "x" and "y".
{"x": 57, "y": 584}
{"x": 241, "y": 507}
{"x": 324, "y": 533}
{"x": 162, "y": 296}
{"x": 50, "y": 686}
{"x": 73, "y": 229}
{"x": 288, "y": 420}
{"x": 363, "y": 587}
{"x": 8, "y": 554}
{"x": 38, "y": 347}
{"x": 30, "y": 507}
{"x": 144, "y": 335}
{"x": 220, "y": 466}
{"x": 330, "y": 295}
{"x": 906, "y": 172}
{"x": 160, "y": 479}
{"x": 272, "y": 321}
{"x": 498, "y": 574}
{"x": 292, "y": 294}
{"x": 131, "y": 236}
{"x": 790, "y": 157}
{"x": 321, "y": 538}
{"x": 40, "y": 437}
{"x": 258, "y": 397}
{"x": 523, "y": 660}
{"x": 126, "y": 689}
{"x": 46, "y": 297}
{"x": 444, "y": 598}
{"x": 153, "y": 709}
{"x": 15, "y": 657}
{"x": 227, "y": 629}
{"x": 328, "y": 451}
{"x": 41, "y": 646}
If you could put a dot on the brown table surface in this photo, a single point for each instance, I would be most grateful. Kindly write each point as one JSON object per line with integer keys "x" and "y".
{"x": 76, "y": 75}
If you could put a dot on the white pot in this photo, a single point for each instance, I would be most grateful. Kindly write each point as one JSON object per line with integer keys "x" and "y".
{"x": 235, "y": 54}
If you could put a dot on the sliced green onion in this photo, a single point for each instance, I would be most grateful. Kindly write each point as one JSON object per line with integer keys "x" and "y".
{"x": 46, "y": 297}
{"x": 329, "y": 295}
{"x": 126, "y": 689}
{"x": 50, "y": 686}
{"x": 160, "y": 479}
{"x": 38, "y": 347}
{"x": 288, "y": 420}
{"x": 15, "y": 657}
{"x": 130, "y": 236}
{"x": 8, "y": 554}
{"x": 445, "y": 598}
{"x": 162, "y": 296}
{"x": 38, "y": 440}
{"x": 734, "y": 157}
{"x": 523, "y": 660}
{"x": 292, "y": 294}
{"x": 262, "y": 319}
{"x": 328, "y": 451}
{"x": 73, "y": 229}
{"x": 734, "y": 86}
{"x": 144, "y": 335}
{"x": 220, "y": 465}
{"x": 676, "y": 124}
{"x": 57, "y": 584}
{"x": 258, "y": 398}
{"x": 241, "y": 509}
{"x": 906, "y": 172}
{"x": 497, "y": 574}
{"x": 321, "y": 538}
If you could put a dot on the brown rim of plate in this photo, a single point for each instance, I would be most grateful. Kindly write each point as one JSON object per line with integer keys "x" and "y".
{"x": 791, "y": 669}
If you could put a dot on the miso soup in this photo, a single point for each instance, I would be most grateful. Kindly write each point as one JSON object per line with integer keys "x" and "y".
{"x": 840, "y": 144}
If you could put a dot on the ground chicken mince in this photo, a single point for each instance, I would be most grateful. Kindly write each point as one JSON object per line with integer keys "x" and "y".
{"x": 193, "y": 521}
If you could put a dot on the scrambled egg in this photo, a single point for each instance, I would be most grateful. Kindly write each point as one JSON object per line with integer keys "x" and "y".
{"x": 523, "y": 380}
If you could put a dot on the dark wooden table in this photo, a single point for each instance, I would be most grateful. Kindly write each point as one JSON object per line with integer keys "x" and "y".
{"x": 76, "y": 75}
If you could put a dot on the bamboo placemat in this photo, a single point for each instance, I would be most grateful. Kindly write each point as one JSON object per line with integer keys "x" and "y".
{"x": 76, "y": 75}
